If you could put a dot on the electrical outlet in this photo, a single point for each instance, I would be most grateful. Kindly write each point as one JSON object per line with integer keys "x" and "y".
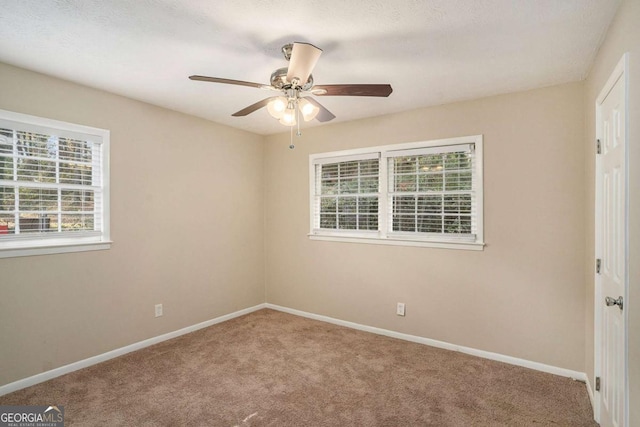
{"x": 158, "y": 310}
{"x": 400, "y": 309}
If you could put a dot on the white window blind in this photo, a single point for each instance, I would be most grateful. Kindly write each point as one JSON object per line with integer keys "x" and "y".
{"x": 419, "y": 194}
{"x": 52, "y": 184}
{"x": 346, "y": 193}
{"x": 431, "y": 192}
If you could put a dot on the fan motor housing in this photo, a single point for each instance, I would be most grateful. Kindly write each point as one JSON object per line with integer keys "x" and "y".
{"x": 279, "y": 80}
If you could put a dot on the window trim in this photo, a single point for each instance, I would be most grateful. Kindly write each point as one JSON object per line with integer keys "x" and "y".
{"x": 64, "y": 244}
{"x": 382, "y": 237}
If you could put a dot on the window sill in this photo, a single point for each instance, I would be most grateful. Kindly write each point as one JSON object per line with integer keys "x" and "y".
{"x": 52, "y": 247}
{"x": 469, "y": 246}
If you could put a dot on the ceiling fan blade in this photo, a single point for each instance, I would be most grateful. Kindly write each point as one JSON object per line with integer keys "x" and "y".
{"x": 253, "y": 107}
{"x": 352, "y": 90}
{"x": 303, "y": 58}
{"x": 227, "y": 81}
{"x": 324, "y": 115}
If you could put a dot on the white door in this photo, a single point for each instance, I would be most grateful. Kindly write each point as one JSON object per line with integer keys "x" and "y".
{"x": 611, "y": 227}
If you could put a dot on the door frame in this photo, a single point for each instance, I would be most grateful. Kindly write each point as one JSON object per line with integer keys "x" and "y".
{"x": 620, "y": 72}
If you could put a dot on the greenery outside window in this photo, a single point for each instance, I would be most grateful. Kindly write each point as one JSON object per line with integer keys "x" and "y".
{"x": 53, "y": 186}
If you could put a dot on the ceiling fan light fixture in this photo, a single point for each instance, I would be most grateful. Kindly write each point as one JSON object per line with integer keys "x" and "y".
{"x": 288, "y": 119}
{"x": 289, "y": 116}
{"x": 276, "y": 107}
{"x": 294, "y": 83}
{"x": 308, "y": 110}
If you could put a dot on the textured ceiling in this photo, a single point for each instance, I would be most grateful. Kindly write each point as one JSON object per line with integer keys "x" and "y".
{"x": 431, "y": 51}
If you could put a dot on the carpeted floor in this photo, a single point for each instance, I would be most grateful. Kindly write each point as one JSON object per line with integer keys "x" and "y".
{"x": 274, "y": 369}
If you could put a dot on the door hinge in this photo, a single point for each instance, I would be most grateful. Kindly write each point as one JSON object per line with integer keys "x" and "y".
{"x": 598, "y": 265}
{"x": 598, "y": 146}
{"x": 597, "y": 383}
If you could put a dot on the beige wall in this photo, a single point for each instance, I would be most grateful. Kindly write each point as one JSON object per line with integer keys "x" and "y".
{"x": 523, "y": 296}
{"x": 623, "y": 36}
{"x": 186, "y": 220}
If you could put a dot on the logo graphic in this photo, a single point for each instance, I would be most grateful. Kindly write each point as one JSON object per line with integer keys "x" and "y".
{"x": 32, "y": 416}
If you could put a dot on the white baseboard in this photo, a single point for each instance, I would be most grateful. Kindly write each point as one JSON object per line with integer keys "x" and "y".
{"x": 45, "y": 376}
{"x": 580, "y": 376}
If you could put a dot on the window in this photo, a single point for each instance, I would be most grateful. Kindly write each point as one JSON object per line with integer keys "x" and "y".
{"x": 348, "y": 194}
{"x": 420, "y": 194}
{"x": 53, "y": 186}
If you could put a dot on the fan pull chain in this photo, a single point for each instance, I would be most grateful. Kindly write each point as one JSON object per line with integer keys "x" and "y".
{"x": 291, "y": 146}
{"x": 298, "y": 133}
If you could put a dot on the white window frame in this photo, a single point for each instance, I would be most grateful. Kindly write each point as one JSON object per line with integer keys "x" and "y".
{"x": 54, "y": 244}
{"x": 382, "y": 235}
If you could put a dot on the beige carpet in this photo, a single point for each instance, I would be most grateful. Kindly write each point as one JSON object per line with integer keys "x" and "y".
{"x": 274, "y": 369}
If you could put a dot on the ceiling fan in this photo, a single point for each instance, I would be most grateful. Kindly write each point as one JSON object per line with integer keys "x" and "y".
{"x": 295, "y": 84}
